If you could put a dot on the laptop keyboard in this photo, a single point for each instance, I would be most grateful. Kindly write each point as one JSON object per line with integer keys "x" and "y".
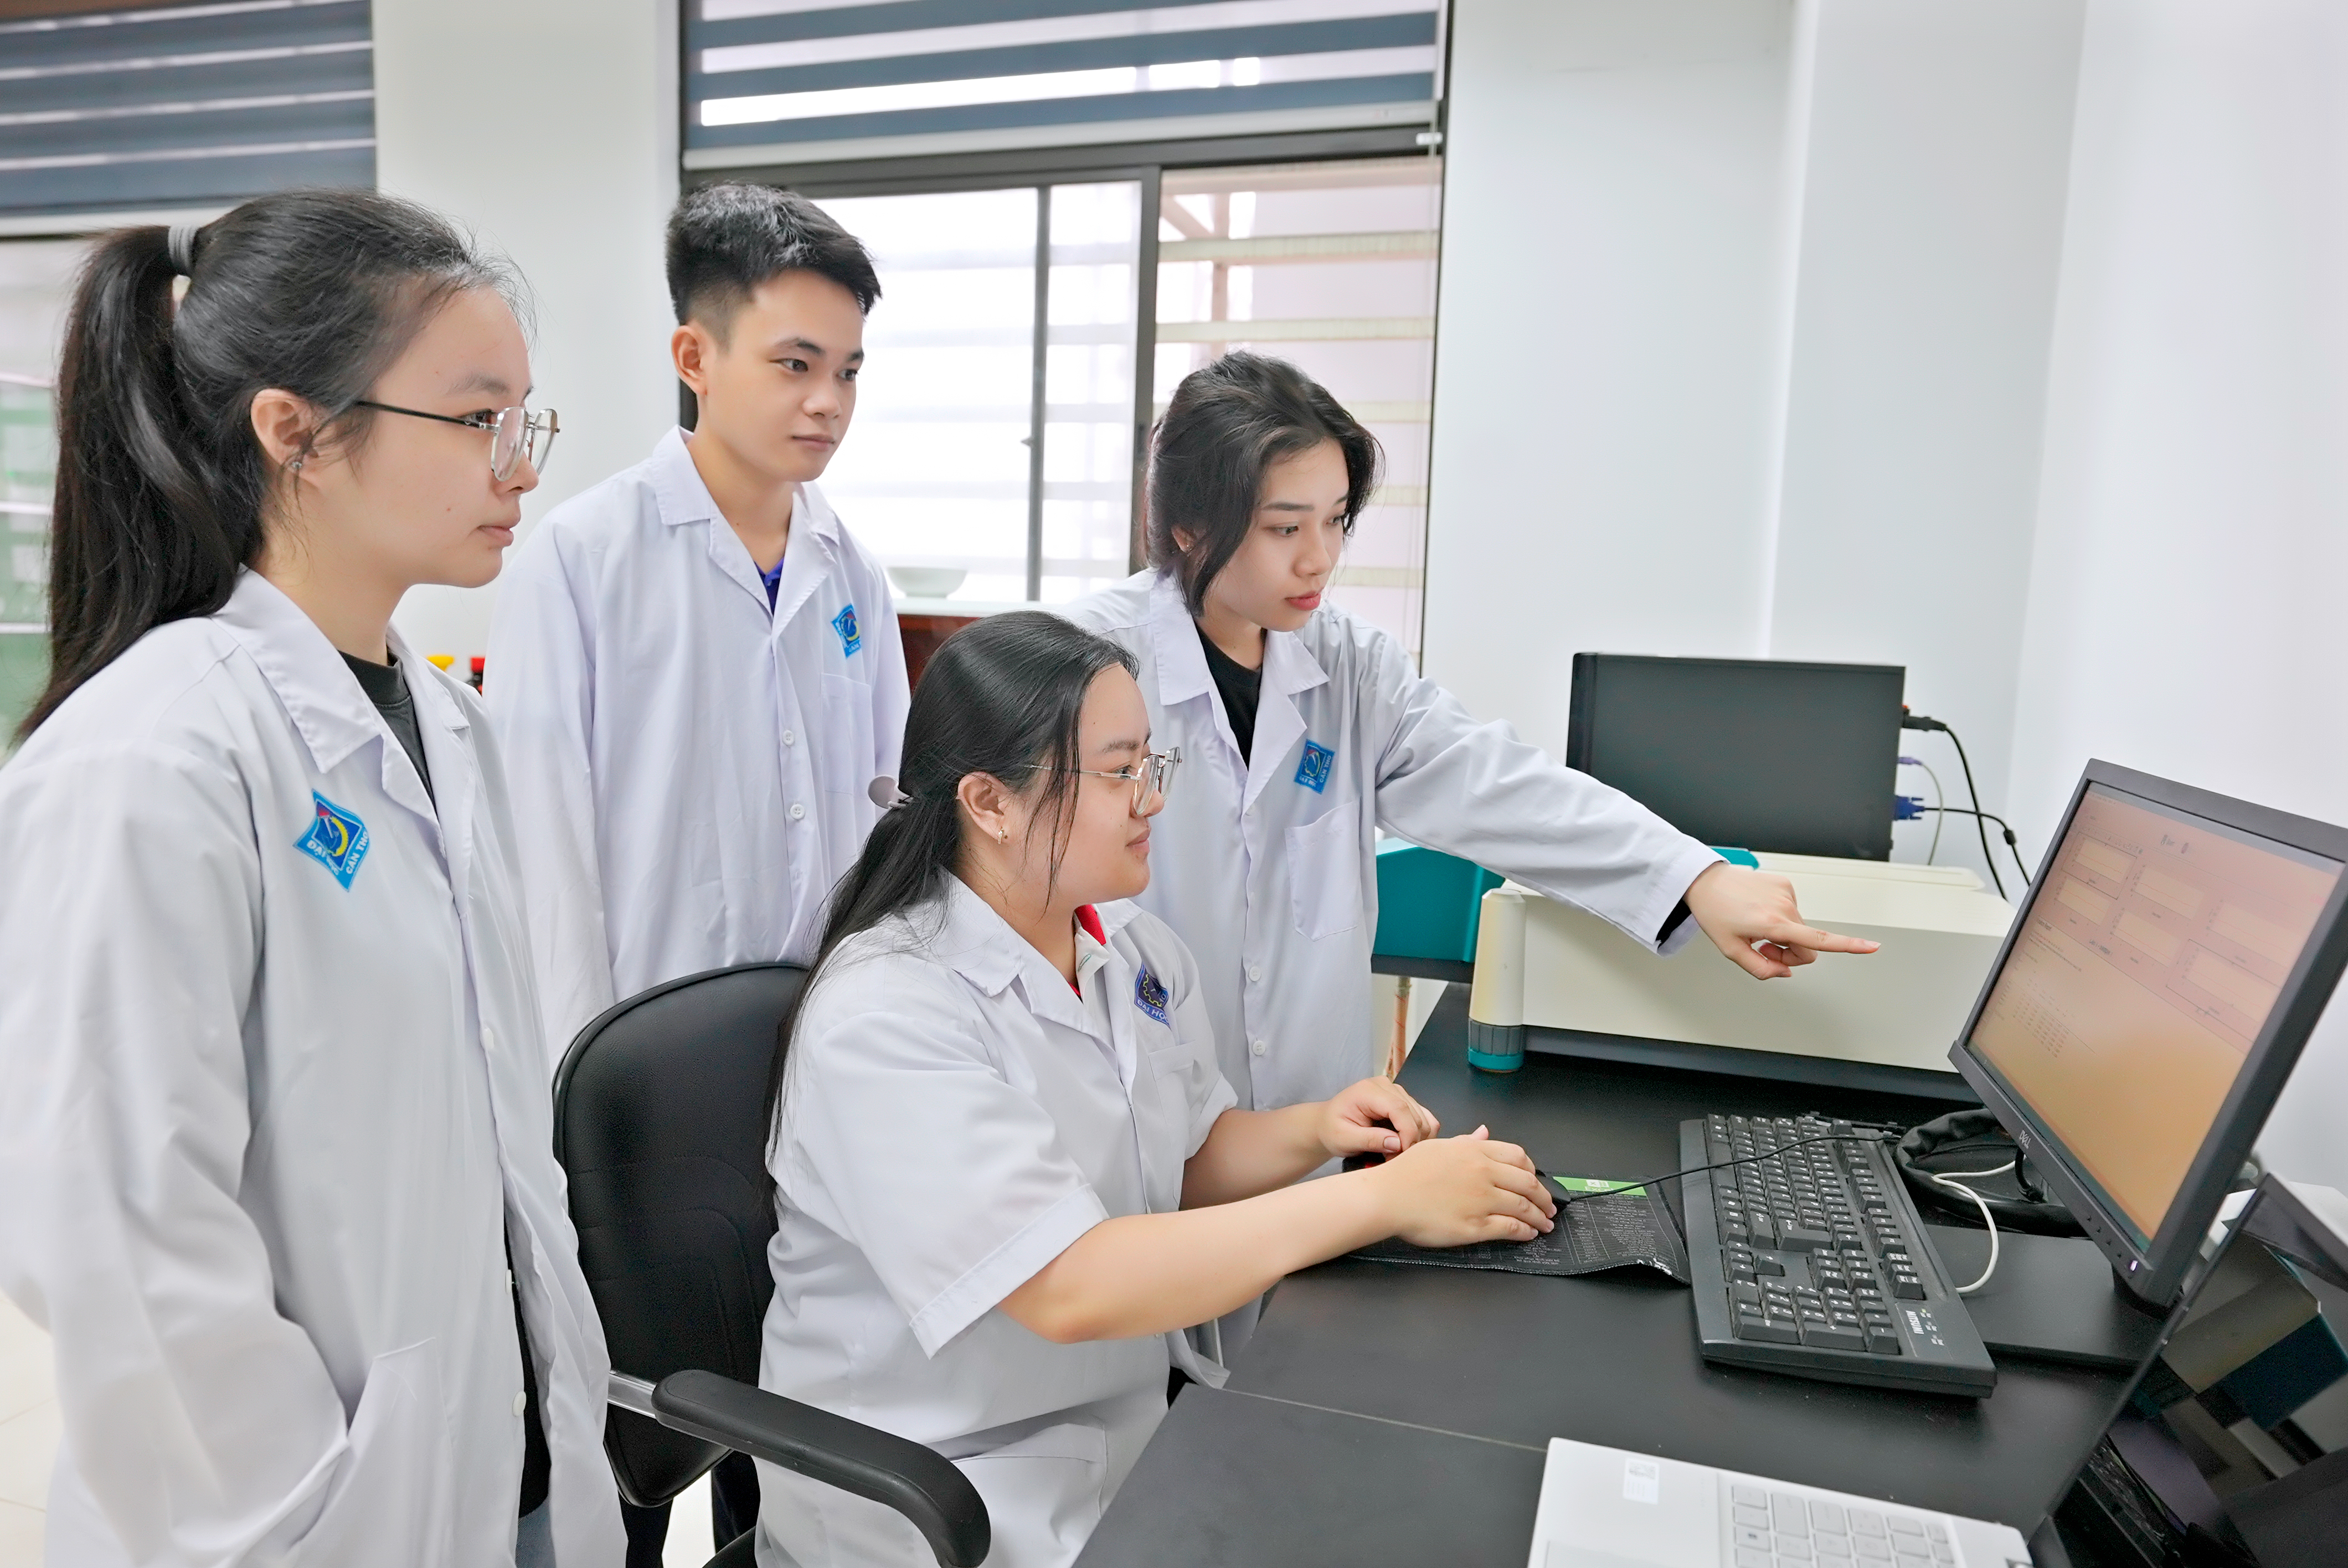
{"x": 1774, "y": 1529}
{"x": 1808, "y": 1257}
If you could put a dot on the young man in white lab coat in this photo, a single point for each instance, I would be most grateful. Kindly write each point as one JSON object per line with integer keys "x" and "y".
{"x": 693, "y": 667}
{"x": 1303, "y": 732}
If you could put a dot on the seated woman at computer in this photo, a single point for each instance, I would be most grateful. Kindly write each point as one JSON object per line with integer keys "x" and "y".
{"x": 1303, "y": 732}
{"x": 1008, "y": 1173}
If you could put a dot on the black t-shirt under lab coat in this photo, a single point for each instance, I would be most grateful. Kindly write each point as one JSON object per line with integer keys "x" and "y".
{"x": 386, "y": 687}
{"x": 1241, "y": 691}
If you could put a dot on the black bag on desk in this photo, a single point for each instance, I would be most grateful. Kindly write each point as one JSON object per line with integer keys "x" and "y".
{"x": 1594, "y": 1233}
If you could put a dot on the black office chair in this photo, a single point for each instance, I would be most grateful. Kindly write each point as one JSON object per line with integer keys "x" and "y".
{"x": 659, "y": 1120}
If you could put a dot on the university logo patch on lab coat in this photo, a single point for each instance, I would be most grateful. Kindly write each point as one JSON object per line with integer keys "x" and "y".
{"x": 845, "y": 624}
{"x": 1149, "y": 994}
{"x": 1312, "y": 771}
{"x": 337, "y": 840}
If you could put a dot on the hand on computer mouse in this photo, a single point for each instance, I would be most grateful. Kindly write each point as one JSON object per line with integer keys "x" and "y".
{"x": 1752, "y": 918}
{"x": 1449, "y": 1192}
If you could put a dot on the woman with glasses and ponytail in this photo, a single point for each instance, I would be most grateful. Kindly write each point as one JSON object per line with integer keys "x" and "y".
{"x": 276, "y": 1137}
{"x": 1011, "y": 1182}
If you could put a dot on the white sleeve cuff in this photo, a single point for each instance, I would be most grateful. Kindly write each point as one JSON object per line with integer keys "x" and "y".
{"x": 1680, "y": 874}
{"x": 1006, "y": 1268}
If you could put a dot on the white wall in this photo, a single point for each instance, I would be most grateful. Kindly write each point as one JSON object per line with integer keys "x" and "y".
{"x": 1745, "y": 315}
{"x": 1930, "y": 228}
{"x": 551, "y": 128}
{"x": 2191, "y": 555}
{"x": 1605, "y": 340}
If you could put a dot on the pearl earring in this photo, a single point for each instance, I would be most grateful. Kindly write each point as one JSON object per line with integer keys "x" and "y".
{"x": 295, "y": 465}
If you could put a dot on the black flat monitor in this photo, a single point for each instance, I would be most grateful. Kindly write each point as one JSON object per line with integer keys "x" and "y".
{"x": 1757, "y": 753}
{"x": 2154, "y": 991}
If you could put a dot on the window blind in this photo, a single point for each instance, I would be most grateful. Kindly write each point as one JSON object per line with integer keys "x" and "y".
{"x": 200, "y": 105}
{"x": 797, "y": 80}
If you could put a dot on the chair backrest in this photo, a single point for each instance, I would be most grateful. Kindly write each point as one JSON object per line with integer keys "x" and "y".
{"x": 659, "y": 1120}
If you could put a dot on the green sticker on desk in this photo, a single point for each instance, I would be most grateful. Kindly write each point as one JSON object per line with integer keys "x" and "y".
{"x": 1595, "y": 1185}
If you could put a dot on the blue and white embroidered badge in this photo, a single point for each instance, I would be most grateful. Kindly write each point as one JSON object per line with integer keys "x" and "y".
{"x": 337, "y": 840}
{"x": 1149, "y": 994}
{"x": 1312, "y": 771}
{"x": 845, "y": 624}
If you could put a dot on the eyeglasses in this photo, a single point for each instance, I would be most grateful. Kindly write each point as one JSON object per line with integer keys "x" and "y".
{"x": 1152, "y": 775}
{"x": 512, "y": 431}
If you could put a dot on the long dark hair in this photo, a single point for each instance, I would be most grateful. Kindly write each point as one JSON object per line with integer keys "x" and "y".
{"x": 999, "y": 697}
{"x": 1225, "y": 424}
{"x": 161, "y": 485}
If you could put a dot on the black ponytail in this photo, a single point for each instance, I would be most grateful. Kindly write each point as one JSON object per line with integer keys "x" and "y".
{"x": 162, "y": 488}
{"x": 999, "y": 697}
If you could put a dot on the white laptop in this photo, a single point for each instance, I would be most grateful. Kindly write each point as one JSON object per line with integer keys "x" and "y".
{"x": 1607, "y": 1507}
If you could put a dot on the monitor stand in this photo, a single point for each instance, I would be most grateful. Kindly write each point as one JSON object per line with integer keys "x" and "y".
{"x": 2054, "y": 1299}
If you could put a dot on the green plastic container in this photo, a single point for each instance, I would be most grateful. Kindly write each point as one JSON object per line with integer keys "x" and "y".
{"x": 1428, "y": 904}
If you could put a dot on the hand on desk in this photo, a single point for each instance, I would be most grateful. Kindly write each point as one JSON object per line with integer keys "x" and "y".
{"x": 1449, "y": 1192}
{"x": 1751, "y": 917}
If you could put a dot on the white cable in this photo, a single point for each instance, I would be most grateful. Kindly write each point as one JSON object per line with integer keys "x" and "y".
{"x": 1954, "y": 1181}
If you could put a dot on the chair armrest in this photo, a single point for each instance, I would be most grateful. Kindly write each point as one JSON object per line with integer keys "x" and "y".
{"x": 897, "y": 1473}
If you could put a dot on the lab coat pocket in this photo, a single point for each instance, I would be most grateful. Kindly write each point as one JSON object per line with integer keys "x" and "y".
{"x": 390, "y": 1499}
{"x": 1324, "y": 871}
{"x": 1042, "y": 1493}
{"x": 844, "y": 751}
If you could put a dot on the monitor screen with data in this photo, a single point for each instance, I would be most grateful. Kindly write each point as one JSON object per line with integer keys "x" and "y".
{"x": 2151, "y": 956}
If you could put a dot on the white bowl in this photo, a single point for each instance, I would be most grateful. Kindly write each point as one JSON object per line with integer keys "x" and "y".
{"x": 927, "y": 581}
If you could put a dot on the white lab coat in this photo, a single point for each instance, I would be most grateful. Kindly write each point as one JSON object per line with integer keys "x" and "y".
{"x": 1268, "y": 869}
{"x": 690, "y": 772}
{"x": 954, "y": 1117}
{"x": 272, "y": 1114}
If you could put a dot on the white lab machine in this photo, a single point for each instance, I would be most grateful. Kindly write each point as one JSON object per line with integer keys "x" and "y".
{"x": 1549, "y": 966}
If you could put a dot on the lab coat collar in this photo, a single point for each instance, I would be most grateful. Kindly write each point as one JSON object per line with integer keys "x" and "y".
{"x": 979, "y": 945}
{"x": 320, "y": 696}
{"x": 1182, "y": 662}
{"x": 683, "y": 498}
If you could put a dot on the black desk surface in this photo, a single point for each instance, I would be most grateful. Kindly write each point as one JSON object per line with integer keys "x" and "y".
{"x": 1518, "y": 1360}
{"x": 1236, "y": 1480}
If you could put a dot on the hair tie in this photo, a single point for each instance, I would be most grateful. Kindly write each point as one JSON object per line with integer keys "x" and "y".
{"x": 182, "y": 245}
{"x": 883, "y": 793}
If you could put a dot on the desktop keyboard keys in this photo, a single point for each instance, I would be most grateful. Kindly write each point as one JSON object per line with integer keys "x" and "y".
{"x": 1793, "y": 1547}
{"x": 1828, "y": 1517}
{"x": 1748, "y": 1558}
{"x": 1768, "y": 1330}
{"x": 1872, "y": 1549}
{"x": 1752, "y": 1517}
{"x": 1748, "y": 1496}
{"x": 1754, "y": 1536}
{"x": 1792, "y": 1517}
{"x": 1903, "y": 1525}
{"x": 1865, "y": 1521}
{"x": 1834, "y": 1551}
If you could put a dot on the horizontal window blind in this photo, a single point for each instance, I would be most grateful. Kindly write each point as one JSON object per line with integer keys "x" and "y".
{"x": 198, "y": 104}
{"x": 798, "y": 80}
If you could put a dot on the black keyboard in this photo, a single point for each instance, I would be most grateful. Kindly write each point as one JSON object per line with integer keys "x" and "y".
{"x": 1808, "y": 1258}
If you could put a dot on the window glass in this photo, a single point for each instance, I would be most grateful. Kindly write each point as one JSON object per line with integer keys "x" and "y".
{"x": 933, "y": 473}
{"x": 1089, "y": 427}
{"x": 1330, "y": 266}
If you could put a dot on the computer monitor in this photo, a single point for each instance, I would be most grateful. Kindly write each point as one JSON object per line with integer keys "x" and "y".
{"x": 2153, "y": 993}
{"x": 1759, "y": 753}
